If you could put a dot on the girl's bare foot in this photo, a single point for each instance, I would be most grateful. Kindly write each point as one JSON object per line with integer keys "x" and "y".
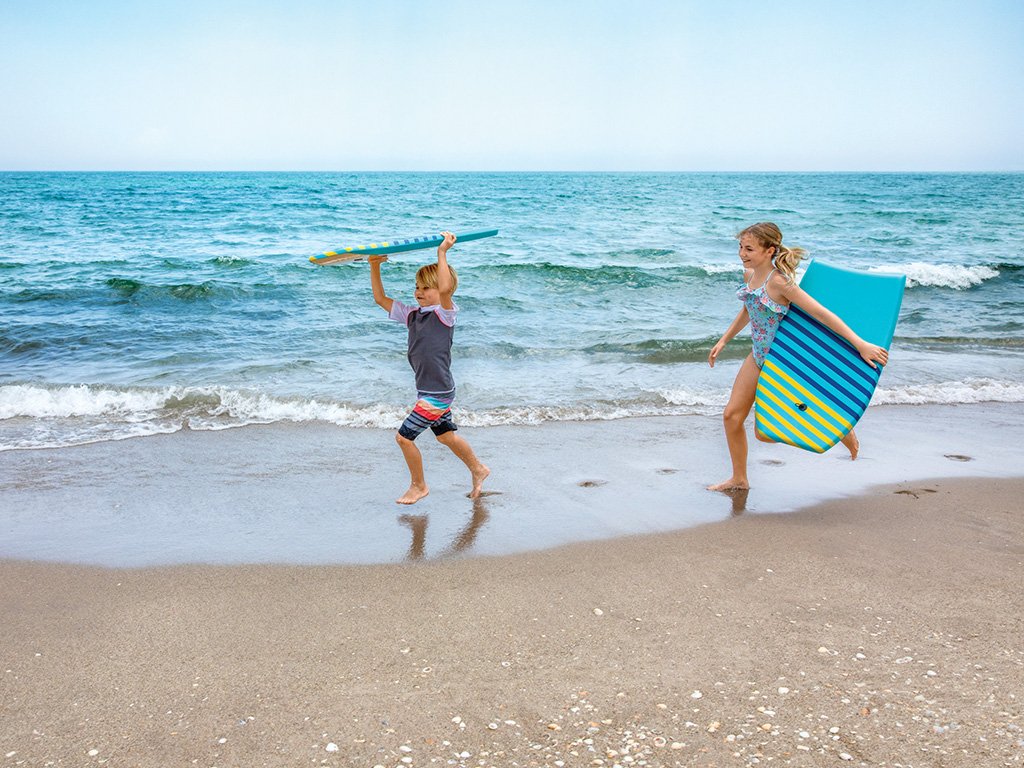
{"x": 414, "y": 494}
{"x": 732, "y": 484}
{"x": 479, "y": 475}
{"x": 852, "y": 444}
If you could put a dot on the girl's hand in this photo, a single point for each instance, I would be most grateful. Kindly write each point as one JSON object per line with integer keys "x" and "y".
{"x": 376, "y": 259}
{"x": 713, "y": 354}
{"x": 872, "y": 353}
{"x": 449, "y": 241}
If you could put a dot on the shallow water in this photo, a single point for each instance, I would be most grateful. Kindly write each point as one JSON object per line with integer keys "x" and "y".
{"x": 142, "y": 303}
{"x": 314, "y": 493}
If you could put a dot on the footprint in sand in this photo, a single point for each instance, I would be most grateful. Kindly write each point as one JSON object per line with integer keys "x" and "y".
{"x": 917, "y": 491}
{"x": 772, "y": 462}
{"x": 958, "y": 457}
{"x": 485, "y": 494}
{"x": 591, "y": 483}
{"x": 666, "y": 471}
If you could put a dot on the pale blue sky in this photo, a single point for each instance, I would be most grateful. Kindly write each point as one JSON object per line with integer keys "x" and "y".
{"x": 480, "y": 85}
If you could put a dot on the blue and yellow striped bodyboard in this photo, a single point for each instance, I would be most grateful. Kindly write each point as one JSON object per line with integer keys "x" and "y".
{"x": 358, "y": 252}
{"x": 814, "y": 387}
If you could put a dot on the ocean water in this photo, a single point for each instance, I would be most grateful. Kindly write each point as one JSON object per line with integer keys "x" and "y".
{"x": 135, "y": 304}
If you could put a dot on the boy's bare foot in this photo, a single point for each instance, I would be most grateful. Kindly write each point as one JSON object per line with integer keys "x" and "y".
{"x": 479, "y": 475}
{"x": 732, "y": 484}
{"x": 414, "y": 494}
{"x": 852, "y": 444}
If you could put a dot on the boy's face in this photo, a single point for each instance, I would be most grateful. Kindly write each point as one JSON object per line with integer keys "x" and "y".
{"x": 425, "y": 296}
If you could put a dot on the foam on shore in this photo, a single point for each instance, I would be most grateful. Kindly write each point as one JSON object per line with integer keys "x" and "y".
{"x": 37, "y": 416}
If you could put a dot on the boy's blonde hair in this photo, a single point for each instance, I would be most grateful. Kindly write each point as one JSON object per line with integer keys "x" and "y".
{"x": 770, "y": 236}
{"x": 427, "y": 277}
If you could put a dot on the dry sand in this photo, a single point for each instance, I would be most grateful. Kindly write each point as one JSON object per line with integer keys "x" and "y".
{"x": 884, "y": 630}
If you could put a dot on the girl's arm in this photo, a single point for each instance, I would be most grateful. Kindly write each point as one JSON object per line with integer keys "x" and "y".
{"x": 871, "y": 353}
{"x": 742, "y": 318}
{"x": 382, "y": 299}
{"x": 445, "y": 284}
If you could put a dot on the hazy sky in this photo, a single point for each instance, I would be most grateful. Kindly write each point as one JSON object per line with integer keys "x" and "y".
{"x": 512, "y": 85}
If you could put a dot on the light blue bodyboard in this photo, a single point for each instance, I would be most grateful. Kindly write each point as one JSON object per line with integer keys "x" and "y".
{"x": 814, "y": 386}
{"x": 388, "y": 247}
{"x": 868, "y": 302}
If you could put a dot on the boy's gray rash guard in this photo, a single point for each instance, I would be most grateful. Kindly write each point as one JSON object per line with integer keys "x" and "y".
{"x": 431, "y": 330}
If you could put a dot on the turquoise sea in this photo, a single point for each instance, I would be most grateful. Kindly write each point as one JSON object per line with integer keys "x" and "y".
{"x": 141, "y": 303}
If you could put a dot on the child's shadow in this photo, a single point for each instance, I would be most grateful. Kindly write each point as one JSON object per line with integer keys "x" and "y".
{"x": 463, "y": 540}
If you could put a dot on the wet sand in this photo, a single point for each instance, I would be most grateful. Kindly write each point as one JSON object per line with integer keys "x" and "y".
{"x": 317, "y": 494}
{"x": 881, "y": 630}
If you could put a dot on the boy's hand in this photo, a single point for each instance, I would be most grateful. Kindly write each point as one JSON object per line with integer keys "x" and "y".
{"x": 376, "y": 259}
{"x": 449, "y": 241}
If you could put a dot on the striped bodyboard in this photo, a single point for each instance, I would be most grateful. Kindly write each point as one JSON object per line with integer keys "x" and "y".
{"x": 389, "y": 247}
{"x": 814, "y": 387}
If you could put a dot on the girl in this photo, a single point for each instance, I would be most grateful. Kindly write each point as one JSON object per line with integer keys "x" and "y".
{"x": 769, "y": 288}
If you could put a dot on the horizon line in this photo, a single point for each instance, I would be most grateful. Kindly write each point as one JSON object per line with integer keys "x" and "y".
{"x": 507, "y": 171}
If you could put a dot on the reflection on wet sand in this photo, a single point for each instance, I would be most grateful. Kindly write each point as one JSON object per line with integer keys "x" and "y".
{"x": 467, "y": 536}
{"x": 463, "y": 540}
{"x": 418, "y": 524}
{"x": 738, "y": 496}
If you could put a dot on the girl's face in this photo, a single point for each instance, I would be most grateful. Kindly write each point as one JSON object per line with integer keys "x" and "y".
{"x": 427, "y": 297}
{"x": 753, "y": 254}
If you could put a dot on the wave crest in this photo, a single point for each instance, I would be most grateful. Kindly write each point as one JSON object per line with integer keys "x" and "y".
{"x": 635, "y": 275}
{"x": 57, "y": 416}
{"x": 129, "y": 289}
{"x": 667, "y": 351}
{"x": 955, "y": 276}
{"x": 972, "y": 390}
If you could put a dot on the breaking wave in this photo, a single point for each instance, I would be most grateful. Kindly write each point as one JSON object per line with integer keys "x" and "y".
{"x": 37, "y": 416}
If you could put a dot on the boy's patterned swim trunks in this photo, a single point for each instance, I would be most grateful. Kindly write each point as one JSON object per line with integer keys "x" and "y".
{"x": 434, "y": 411}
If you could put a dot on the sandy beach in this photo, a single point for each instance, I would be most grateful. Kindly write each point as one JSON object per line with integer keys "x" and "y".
{"x": 881, "y": 630}
{"x": 203, "y": 561}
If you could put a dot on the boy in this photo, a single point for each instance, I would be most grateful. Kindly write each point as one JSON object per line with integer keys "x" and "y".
{"x": 431, "y": 328}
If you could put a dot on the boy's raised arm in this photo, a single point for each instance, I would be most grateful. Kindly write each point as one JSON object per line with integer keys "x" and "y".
{"x": 445, "y": 284}
{"x": 383, "y": 300}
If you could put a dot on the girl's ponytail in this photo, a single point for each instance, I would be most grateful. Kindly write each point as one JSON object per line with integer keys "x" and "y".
{"x": 770, "y": 236}
{"x": 787, "y": 260}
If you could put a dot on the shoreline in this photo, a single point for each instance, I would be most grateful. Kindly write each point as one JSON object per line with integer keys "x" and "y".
{"x": 311, "y": 494}
{"x": 883, "y": 629}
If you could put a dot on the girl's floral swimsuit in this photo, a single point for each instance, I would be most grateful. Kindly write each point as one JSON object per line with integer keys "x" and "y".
{"x": 765, "y": 315}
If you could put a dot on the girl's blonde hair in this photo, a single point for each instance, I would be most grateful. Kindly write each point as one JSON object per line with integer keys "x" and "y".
{"x": 770, "y": 236}
{"x": 427, "y": 277}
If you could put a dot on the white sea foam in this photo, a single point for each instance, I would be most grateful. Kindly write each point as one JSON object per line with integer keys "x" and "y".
{"x": 701, "y": 401}
{"x": 953, "y": 276}
{"x": 77, "y": 401}
{"x": 45, "y": 417}
{"x": 257, "y": 408}
{"x": 952, "y": 392}
{"x": 723, "y": 269}
{"x": 39, "y": 417}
